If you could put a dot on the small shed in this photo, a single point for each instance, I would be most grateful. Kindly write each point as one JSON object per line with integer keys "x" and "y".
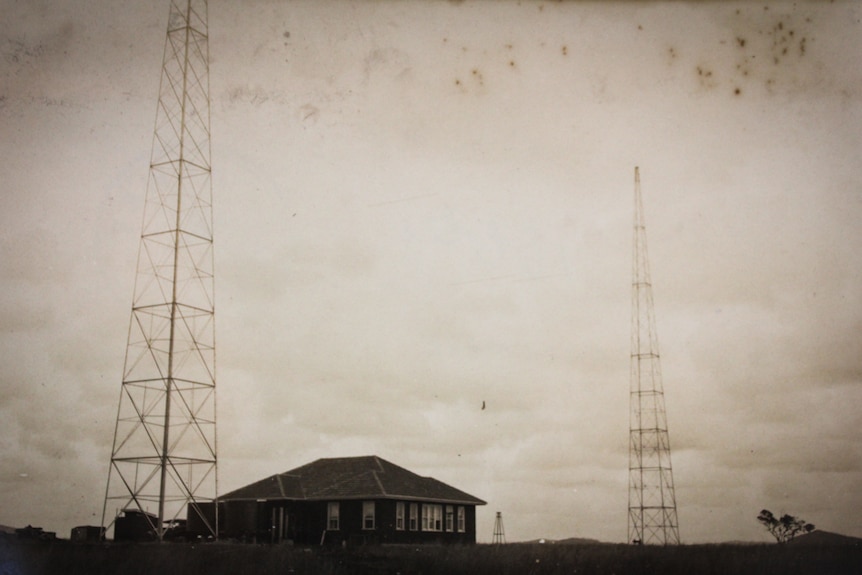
{"x": 87, "y": 533}
{"x": 346, "y": 501}
{"x": 135, "y": 525}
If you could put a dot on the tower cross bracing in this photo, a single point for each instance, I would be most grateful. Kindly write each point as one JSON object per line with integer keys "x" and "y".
{"x": 163, "y": 460}
{"x": 652, "y": 517}
{"x": 499, "y": 537}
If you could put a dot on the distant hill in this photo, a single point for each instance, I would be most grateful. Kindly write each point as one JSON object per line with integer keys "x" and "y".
{"x": 568, "y": 541}
{"x": 825, "y": 538}
{"x": 817, "y": 537}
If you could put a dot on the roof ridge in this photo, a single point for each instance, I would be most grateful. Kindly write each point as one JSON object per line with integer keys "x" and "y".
{"x": 379, "y": 483}
{"x": 342, "y": 458}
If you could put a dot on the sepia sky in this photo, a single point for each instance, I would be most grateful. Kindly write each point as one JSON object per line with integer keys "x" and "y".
{"x": 421, "y": 206}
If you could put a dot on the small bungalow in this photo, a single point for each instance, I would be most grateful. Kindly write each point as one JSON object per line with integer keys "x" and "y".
{"x": 348, "y": 501}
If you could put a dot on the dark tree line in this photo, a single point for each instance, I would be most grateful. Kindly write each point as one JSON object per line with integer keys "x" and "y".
{"x": 784, "y": 528}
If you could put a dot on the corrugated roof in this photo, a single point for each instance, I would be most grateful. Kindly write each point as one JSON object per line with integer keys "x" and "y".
{"x": 352, "y": 478}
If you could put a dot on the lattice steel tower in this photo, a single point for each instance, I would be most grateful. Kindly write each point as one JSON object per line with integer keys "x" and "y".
{"x": 499, "y": 533}
{"x": 652, "y": 503}
{"x": 163, "y": 461}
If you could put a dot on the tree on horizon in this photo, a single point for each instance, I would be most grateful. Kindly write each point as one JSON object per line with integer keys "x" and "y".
{"x": 784, "y": 528}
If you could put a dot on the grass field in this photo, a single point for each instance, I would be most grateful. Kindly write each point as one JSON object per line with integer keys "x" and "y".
{"x": 65, "y": 558}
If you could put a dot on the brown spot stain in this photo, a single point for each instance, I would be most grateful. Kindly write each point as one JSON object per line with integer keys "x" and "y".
{"x": 565, "y": 50}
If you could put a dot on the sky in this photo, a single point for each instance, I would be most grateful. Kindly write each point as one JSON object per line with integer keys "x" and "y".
{"x": 421, "y": 206}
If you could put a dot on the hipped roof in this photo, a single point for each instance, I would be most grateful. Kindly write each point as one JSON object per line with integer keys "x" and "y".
{"x": 366, "y": 477}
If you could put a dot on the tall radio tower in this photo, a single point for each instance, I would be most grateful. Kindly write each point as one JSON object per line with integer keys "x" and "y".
{"x": 163, "y": 461}
{"x": 652, "y": 503}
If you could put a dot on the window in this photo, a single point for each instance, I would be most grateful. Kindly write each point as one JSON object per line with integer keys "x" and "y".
{"x": 461, "y": 520}
{"x": 450, "y": 518}
{"x": 414, "y": 516}
{"x": 432, "y": 518}
{"x": 332, "y": 514}
{"x": 368, "y": 515}
{"x": 399, "y": 516}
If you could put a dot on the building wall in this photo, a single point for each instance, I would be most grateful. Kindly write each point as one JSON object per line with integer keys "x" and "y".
{"x": 306, "y": 523}
{"x": 242, "y": 520}
{"x": 386, "y": 530}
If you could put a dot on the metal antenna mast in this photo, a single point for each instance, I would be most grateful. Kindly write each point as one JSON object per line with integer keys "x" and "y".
{"x": 499, "y": 532}
{"x": 164, "y": 451}
{"x": 652, "y": 503}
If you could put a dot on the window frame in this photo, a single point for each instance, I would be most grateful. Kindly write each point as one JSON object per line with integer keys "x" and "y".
{"x": 432, "y": 517}
{"x": 462, "y": 519}
{"x": 450, "y": 519}
{"x": 330, "y": 516}
{"x": 366, "y": 505}
{"x": 399, "y": 516}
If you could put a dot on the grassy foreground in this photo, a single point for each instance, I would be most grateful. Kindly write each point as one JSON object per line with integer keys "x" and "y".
{"x": 62, "y": 557}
